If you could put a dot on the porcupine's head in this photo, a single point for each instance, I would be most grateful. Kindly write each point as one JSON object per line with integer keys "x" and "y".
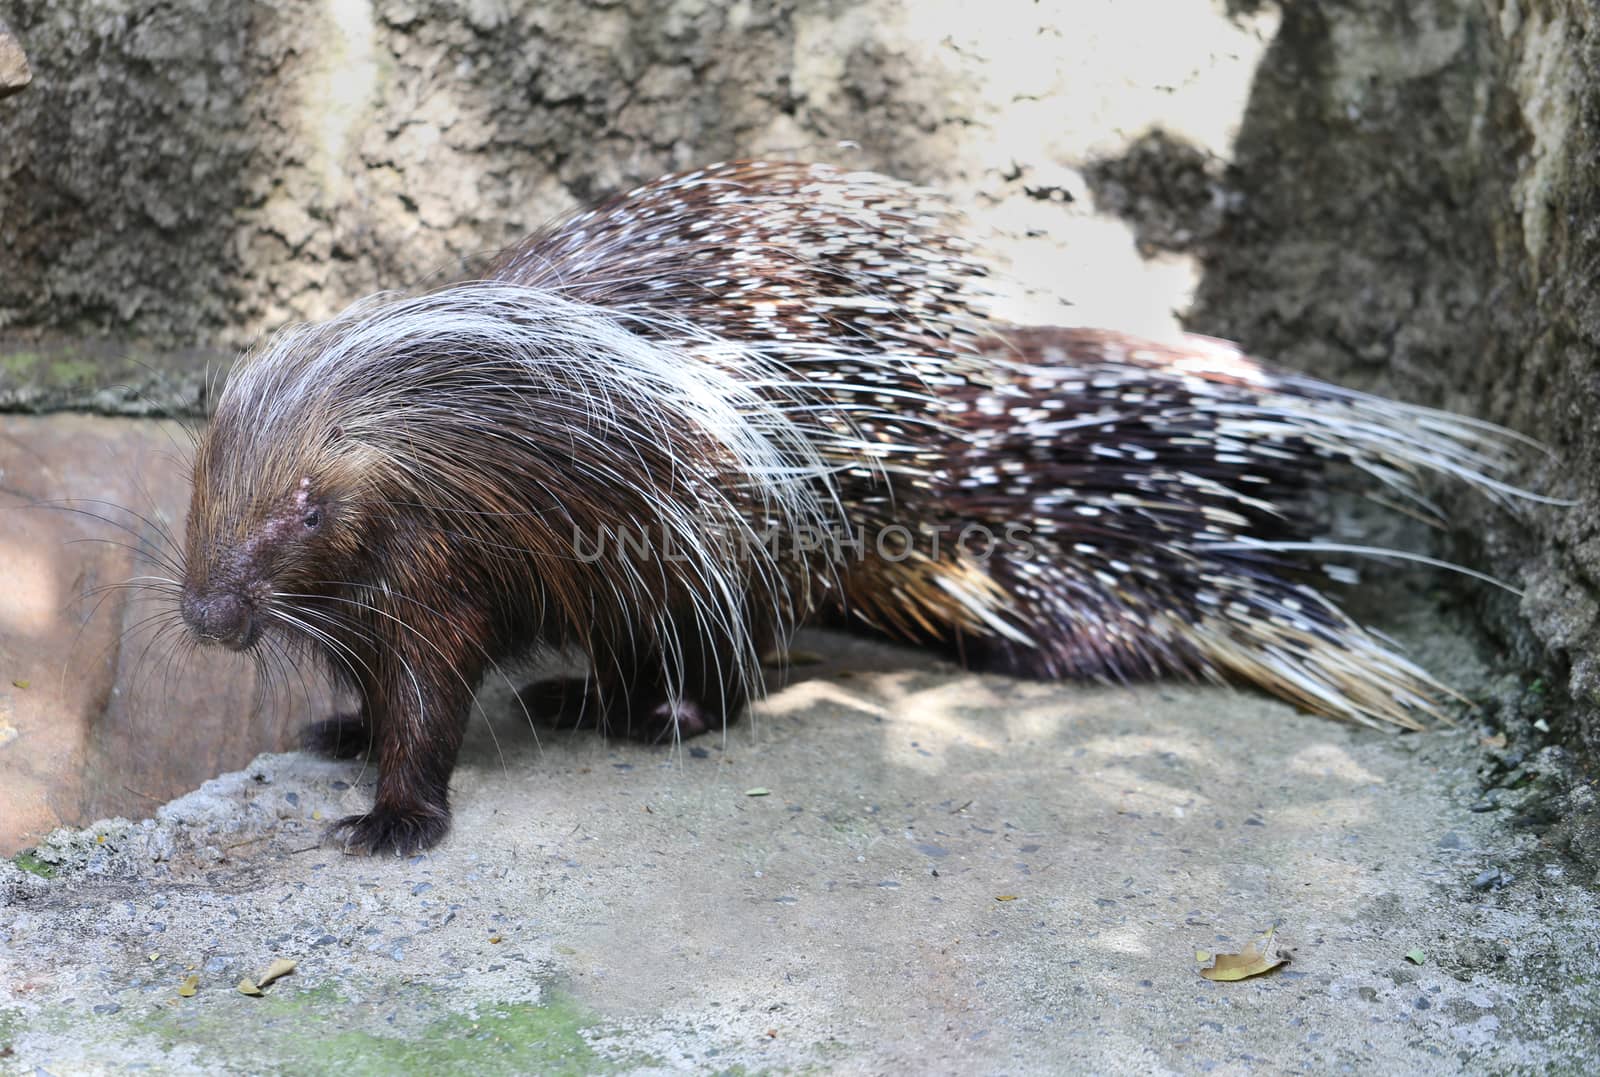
{"x": 413, "y": 450}
{"x": 282, "y": 489}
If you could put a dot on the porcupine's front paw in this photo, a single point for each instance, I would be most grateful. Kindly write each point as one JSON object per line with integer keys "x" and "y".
{"x": 343, "y": 736}
{"x": 380, "y": 831}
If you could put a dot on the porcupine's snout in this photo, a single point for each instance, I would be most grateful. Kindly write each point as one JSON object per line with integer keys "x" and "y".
{"x": 220, "y": 616}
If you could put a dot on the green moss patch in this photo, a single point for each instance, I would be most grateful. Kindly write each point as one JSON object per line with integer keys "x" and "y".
{"x": 404, "y": 1031}
{"x": 48, "y": 369}
{"x": 34, "y": 866}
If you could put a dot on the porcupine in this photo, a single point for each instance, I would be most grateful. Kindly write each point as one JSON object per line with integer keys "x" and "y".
{"x": 755, "y": 350}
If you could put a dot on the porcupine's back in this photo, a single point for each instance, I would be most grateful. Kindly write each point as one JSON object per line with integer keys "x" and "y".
{"x": 1140, "y": 477}
{"x": 849, "y": 296}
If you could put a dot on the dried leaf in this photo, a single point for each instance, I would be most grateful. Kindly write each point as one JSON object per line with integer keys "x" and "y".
{"x": 1005, "y": 897}
{"x": 1258, "y": 957}
{"x": 248, "y": 987}
{"x": 21, "y": 684}
{"x": 277, "y": 970}
{"x": 189, "y": 986}
{"x": 758, "y": 791}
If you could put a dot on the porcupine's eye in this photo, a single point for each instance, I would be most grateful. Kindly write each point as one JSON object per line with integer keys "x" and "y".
{"x": 312, "y": 520}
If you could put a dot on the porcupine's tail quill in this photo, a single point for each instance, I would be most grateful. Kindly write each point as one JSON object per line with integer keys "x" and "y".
{"x": 1165, "y": 496}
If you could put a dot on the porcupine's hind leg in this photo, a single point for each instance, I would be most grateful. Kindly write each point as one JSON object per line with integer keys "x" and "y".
{"x": 631, "y": 695}
{"x": 640, "y": 708}
{"x": 344, "y": 736}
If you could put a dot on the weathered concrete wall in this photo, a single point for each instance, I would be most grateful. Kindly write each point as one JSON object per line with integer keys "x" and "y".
{"x": 1413, "y": 205}
{"x": 1400, "y": 196}
{"x": 190, "y": 174}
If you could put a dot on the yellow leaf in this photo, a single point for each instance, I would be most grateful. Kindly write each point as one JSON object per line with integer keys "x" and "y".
{"x": 21, "y": 684}
{"x": 189, "y": 986}
{"x": 246, "y": 987}
{"x": 279, "y": 968}
{"x": 1005, "y": 897}
{"x": 1258, "y": 957}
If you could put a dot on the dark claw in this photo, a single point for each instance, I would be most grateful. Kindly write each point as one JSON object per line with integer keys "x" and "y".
{"x": 395, "y": 833}
{"x": 343, "y": 737}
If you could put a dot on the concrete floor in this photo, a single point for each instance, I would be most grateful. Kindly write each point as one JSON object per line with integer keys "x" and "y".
{"x": 947, "y": 874}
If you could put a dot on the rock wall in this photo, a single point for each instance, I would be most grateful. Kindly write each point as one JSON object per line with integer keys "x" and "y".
{"x": 1398, "y": 196}
{"x": 185, "y": 175}
{"x": 1413, "y": 206}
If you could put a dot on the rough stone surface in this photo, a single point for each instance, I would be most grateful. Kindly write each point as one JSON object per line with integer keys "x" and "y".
{"x": 101, "y": 711}
{"x": 1410, "y": 206}
{"x": 945, "y": 874}
{"x": 191, "y": 174}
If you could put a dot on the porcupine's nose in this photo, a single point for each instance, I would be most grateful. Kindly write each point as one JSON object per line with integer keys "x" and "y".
{"x": 219, "y": 617}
